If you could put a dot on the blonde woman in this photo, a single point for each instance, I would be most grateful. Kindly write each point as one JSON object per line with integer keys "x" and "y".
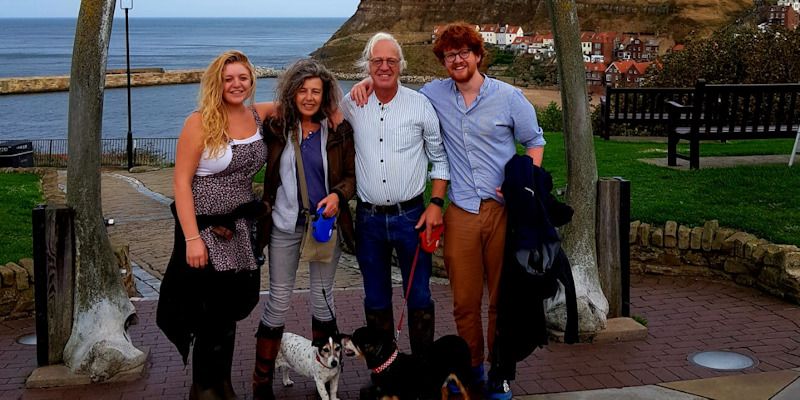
{"x": 212, "y": 279}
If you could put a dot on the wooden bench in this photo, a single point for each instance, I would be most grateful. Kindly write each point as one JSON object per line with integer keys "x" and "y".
{"x": 638, "y": 106}
{"x": 731, "y": 112}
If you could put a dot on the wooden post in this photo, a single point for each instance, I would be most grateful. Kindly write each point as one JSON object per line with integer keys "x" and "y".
{"x": 54, "y": 280}
{"x": 613, "y": 251}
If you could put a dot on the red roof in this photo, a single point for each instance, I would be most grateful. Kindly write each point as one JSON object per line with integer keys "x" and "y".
{"x": 594, "y": 66}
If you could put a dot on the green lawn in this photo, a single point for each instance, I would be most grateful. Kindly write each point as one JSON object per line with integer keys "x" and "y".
{"x": 21, "y": 193}
{"x": 762, "y": 200}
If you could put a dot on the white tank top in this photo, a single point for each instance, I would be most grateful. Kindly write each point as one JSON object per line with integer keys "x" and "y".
{"x": 211, "y": 166}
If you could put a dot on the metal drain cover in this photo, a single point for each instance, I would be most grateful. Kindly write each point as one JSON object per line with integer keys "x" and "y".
{"x": 722, "y": 360}
{"x": 29, "y": 339}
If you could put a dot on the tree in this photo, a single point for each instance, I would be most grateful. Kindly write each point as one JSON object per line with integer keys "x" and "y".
{"x": 98, "y": 345}
{"x": 737, "y": 54}
{"x": 579, "y": 235}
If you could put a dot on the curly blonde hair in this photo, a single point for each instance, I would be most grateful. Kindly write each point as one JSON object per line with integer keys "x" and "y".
{"x": 211, "y": 104}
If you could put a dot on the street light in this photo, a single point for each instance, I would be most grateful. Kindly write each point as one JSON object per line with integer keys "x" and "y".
{"x": 127, "y": 5}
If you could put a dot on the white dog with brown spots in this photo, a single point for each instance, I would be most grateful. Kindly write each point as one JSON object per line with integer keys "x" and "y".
{"x": 321, "y": 363}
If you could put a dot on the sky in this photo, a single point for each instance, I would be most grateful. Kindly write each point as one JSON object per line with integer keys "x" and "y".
{"x": 187, "y": 8}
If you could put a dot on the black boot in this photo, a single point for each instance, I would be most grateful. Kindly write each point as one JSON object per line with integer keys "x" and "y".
{"x": 322, "y": 330}
{"x": 227, "y": 363}
{"x": 382, "y": 320}
{"x": 212, "y": 355}
{"x": 268, "y": 343}
{"x": 421, "y": 324}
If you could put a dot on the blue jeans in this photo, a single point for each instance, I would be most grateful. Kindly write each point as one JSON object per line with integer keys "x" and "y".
{"x": 377, "y": 234}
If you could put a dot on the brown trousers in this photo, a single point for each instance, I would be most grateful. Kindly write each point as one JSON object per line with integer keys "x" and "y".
{"x": 473, "y": 252}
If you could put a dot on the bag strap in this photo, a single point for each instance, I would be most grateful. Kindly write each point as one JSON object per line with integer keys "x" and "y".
{"x": 301, "y": 174}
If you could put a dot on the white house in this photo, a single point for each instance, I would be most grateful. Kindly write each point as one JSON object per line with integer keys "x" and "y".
{"x": 586, "y": 42}
{"x": 507, "y": 33}
{"x": 489, "y": 33}
{"x": 794, "y": 3}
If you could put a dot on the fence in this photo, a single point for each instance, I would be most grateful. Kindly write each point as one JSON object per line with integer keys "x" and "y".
{"x": 157, "y": 152}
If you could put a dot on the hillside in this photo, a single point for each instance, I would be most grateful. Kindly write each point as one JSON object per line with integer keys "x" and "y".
{"x": 412, "y": 21}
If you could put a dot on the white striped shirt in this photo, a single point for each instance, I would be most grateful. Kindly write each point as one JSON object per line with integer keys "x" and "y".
{"x": 394, "y": 143}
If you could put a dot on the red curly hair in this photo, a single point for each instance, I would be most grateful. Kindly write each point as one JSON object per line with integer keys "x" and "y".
{"x": 456, "y": 36}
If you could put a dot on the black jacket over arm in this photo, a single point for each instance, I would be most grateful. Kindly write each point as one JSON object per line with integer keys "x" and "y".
{"x": 534, "y": 262}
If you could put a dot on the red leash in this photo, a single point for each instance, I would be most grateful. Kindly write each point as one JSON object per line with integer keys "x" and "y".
{"x": 408, "y": 291}
{"x": 430, "y": 247}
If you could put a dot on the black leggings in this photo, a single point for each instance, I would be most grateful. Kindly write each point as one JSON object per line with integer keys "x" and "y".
{"x": 212, "y": 356}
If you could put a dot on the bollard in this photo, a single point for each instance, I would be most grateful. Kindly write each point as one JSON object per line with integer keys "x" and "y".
{"x": 54, "y": 280}
{"x": 613, "y": 249}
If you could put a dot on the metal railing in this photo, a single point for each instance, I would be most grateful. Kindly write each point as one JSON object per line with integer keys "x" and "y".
{"x": 156, "y": 152}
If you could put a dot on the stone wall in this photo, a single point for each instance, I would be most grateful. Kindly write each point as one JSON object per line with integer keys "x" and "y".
{"x": 16, "y": 289}
{"x": 38, "y": 84}
{"x": 714, "y": 251}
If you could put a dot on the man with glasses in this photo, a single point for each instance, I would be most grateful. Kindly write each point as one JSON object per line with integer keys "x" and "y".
{"x": 396, "y": 137}
{"x": 481, "y": 119}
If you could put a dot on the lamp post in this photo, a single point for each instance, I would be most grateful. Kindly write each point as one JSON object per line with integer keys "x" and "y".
{"x": 127, "y": 5}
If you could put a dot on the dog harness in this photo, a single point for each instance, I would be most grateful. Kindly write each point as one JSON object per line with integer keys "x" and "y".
{"x": 385, "y": 364}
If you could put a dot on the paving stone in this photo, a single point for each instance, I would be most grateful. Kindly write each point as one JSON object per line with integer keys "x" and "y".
{"x": 791, "y": 392}
{"x": 738, "y": 387}
{"x": 649, "y": 392}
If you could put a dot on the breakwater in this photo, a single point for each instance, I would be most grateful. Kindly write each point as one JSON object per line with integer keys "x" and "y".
{"x": 148, "y": 77}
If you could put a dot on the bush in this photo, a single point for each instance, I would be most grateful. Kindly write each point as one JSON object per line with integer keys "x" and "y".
{"x": 551, "y": 119}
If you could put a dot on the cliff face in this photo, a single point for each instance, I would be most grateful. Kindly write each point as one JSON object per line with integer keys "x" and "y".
{"x": 412, "y": 21}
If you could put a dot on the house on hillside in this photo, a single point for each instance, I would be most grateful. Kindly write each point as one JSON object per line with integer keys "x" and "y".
{"x": 626, "y": 73}
{"x": 795, "y": 4}
{"x": 595, "y": 76}
{"x": 651, "y": 47}
{"x": 507, "y": 33}
{"x": 489, "y": 33}
{"x": 586, "y": 42}
{"x": 521, "y": 44}
{"x": 603, "y": 44}
{"x": 785, "y": 16}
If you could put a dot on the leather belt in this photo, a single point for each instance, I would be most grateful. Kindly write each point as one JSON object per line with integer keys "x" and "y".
{"x": 393, "y": 209}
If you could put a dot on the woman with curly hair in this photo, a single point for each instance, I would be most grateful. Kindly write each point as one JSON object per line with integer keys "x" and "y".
{"x": 307, "y": 97}
{"x": 212, "y": 279}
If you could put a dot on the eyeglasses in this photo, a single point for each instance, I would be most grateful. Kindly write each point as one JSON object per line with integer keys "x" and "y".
{"x": 377, "y": 62}
{"x": 463, "y": 53}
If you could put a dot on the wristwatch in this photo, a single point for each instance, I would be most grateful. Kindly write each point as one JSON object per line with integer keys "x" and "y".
{"x": 438, "y": 201}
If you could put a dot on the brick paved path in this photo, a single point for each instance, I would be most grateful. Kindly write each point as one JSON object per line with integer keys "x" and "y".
{"x": 685, "y": 315}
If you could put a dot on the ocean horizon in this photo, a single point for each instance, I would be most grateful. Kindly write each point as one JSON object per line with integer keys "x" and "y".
{"x": 43, "y": 47}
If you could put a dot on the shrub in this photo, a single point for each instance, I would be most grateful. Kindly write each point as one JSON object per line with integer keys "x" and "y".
{"x": 551, "y": 118}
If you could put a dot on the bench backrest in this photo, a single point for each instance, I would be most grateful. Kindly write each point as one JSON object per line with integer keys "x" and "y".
{"x": 639, "y": 106}
{"x": 746, "y": 110}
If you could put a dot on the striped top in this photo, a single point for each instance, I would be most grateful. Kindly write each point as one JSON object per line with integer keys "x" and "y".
{"x": 480, "y": 138}
{"x": 394, "y": 143}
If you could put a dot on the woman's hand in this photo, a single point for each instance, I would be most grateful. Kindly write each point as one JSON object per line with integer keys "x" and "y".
{"x": 196, "y": 253}
{"x": 331, "y": 204}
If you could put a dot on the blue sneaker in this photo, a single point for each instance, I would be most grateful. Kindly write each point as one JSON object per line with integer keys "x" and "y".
{"x": 499, "y": 391}
{"x": 478, "y": 377}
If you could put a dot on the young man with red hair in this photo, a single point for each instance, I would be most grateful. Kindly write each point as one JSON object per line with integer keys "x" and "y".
{"x": 482, "y": 119}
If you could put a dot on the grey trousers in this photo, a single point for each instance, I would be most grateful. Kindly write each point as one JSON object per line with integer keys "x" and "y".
{"x": 284, "y": 256}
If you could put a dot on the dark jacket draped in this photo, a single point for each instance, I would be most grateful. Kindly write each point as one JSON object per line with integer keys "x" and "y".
{"x": 534, "y": 263}
{"x": 190, "y": 298}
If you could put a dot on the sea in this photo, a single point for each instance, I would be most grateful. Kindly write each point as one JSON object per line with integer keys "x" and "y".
{"x": 43, "y": 47}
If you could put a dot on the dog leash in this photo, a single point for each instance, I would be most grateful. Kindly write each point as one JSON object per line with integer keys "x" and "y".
{"x": 408, "y": 291}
